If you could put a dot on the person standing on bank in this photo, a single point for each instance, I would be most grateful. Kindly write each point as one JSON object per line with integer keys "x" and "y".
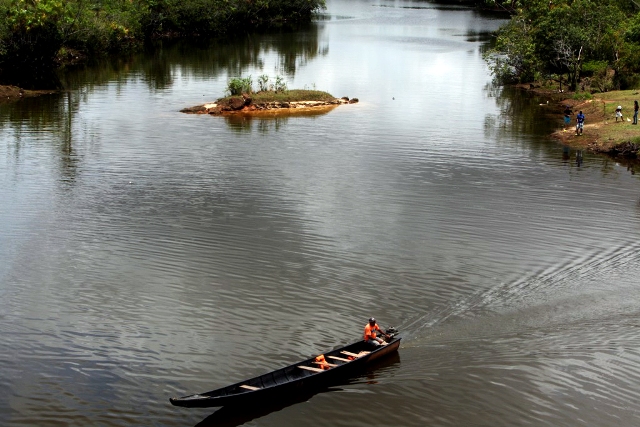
{"x": 619, "y": 113}
{"x": 635, "y": 112}
{"x": 579, "y": 123}
{"x": 370, "y": 333}
{"x": 567, "y": 117}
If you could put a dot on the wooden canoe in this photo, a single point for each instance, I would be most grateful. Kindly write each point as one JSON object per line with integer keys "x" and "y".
{"x": 344, "y": 362}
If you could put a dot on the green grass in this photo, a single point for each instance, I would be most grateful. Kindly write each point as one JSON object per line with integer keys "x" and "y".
{"x": 294, "y": 95}
{"x": 582, "y": 96}
{"x": 601, "y": 112}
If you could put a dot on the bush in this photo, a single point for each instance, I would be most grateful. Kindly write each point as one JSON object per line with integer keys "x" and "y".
{"x": 238, "y": 85}
{"x": 590, "y": 68}
{"x": 602, "y": 80}
{"x": 630, "y": 81}
{"x": 263, "y": 83}
{"x": 280, "y": 85}
{"x": 31, "y": 40}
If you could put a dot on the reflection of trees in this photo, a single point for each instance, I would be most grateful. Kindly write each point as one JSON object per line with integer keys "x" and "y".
{"x": 296, "y": 50}
{"x": 68, "y": 158}
{"x": 476, "y": 36}
{"x": 526, "y": 119}
{"x": 210, "y": 58}
{"x": 242, "y": 123}
{"x": 204, "y": 58}
{"x": 54, "y": 114}
{"x": 521, "y": 113}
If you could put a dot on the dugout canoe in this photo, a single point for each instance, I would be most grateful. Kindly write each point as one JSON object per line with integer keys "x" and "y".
{"x": 345, "y": 362}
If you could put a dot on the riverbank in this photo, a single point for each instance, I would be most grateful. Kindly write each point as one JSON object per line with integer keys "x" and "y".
{"x": 602, "y": 133}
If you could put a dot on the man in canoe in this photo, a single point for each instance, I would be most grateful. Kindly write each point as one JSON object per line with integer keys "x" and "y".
{"x": 370, "y": 333}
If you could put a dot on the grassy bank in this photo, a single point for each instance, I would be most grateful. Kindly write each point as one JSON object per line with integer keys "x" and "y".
{"x": 294, "y": 95}
{"x": 602, "y": 133}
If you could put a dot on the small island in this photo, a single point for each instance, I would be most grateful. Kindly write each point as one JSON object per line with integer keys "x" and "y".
{"x": 270, "y": 98}
{"x": 289, "y": 102}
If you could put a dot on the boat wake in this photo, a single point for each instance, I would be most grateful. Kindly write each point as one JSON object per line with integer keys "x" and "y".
{"x": 563, "y": 285}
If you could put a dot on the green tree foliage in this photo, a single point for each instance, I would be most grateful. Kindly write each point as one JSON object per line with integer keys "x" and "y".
{"x": 514, "y": 57}
{"x": 36, "y": 31}
{"x": 30, "y": 37}
{"x": 557, "y": 37}
{"x": 240, "y": 85}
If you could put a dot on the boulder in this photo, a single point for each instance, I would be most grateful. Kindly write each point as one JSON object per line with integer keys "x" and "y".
{"x": 236, "y": 103}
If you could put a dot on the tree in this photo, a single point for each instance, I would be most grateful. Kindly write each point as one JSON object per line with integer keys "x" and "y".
{"x": 32, "y": 40}
{"x": 558, "y": 37}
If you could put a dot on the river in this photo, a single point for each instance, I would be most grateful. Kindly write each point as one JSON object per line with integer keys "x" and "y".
{"x": 146, "y": 253}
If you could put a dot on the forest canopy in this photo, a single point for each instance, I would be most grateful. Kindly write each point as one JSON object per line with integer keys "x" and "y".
{"x": 576, "y": 41}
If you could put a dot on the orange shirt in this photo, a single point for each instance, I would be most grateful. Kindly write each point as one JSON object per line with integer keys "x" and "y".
{"x": 320, "y": 360}
{"x": 370, "y": 331}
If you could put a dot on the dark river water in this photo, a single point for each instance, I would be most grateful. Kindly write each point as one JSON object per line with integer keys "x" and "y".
{"x": 146, "y": 253}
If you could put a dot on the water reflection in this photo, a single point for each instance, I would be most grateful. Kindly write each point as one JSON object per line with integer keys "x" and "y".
{"x": 271, "y": 121}
{"x": 521, "y": 113}
{"x": 479, "y": 36}
{"x": 165, "y": 61}
{"x": 52, "y": 117}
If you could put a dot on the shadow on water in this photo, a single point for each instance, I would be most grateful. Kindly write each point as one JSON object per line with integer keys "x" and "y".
{"x": 231, "y": 416}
